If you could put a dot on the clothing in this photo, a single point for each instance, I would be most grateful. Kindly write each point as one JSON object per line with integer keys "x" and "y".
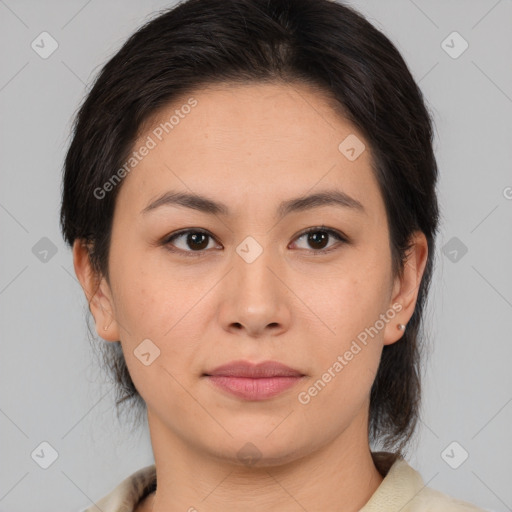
{"x": 401, "y": 490}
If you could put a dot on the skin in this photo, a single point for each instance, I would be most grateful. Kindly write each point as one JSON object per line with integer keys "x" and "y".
{"x": 252, "y": 146}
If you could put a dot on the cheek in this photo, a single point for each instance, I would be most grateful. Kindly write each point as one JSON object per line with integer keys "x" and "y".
{"x": 163, "y": 308}
{"x": 140, "y": 303}
{"x": 347, "y": 356}
{"x": 150, "y": 310}
{"x": 354, "y": 349}
{"x": 347, "y": 302}
{"x": 145, "y": 301}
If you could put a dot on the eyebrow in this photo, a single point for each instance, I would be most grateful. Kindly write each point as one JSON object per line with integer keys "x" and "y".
{"x": 299, "y": 204}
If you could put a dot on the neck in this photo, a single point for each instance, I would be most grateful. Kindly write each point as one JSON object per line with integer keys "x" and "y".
{"x": 340, "y": 475}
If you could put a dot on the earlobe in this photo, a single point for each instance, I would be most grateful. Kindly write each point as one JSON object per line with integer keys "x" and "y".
{"x": 406, "y": 287}
{"x": 102, "y": 311}
{"x": 97, "y": 292}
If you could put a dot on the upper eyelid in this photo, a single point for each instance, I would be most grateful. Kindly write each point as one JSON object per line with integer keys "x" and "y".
{"x": 170, "y": 237}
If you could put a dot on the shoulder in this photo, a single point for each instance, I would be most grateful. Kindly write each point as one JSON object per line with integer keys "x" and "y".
{"x": 403, "y": 489}
{"x": 128, "y": 493}
{"x": 430, "y": 500}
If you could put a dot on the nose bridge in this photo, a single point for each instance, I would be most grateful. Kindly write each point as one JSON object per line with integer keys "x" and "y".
{"x": 252, "y": 273}
{"x": 256, "y": 296}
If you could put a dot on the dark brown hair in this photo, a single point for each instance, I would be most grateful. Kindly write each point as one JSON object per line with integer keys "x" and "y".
{"x": 317, "y": 42}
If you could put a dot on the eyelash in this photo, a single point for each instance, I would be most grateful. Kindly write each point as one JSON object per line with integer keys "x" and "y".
{"x": 336, "y": 234}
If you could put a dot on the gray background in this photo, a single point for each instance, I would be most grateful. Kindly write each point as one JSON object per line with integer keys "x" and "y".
{"x": 51, "y": 387}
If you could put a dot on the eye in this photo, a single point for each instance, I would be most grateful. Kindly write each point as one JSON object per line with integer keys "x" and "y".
{"x": 192, "y": 241}
{"x": 318, "y": 238}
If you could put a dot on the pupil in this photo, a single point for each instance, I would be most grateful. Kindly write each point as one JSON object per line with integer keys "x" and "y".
{"x": 314, "y": 239}
{"x": 194, "y": 237}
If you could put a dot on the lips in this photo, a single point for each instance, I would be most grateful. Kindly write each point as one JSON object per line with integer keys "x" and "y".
{"x": 246, "y": 369}
{"x": 254, "y": 381}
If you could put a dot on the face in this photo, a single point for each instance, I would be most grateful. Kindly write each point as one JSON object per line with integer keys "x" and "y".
{"x": 255, "y": 271}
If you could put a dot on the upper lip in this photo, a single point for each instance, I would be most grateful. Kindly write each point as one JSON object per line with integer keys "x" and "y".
{"x": 255, "y": 371}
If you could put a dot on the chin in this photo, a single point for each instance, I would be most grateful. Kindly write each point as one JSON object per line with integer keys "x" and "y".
{"x": 260, "y": 449}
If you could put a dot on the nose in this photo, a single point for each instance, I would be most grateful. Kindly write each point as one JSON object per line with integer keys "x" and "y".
{"x": 256, "y": 298}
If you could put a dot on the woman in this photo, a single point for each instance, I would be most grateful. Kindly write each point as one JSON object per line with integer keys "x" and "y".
{"x": 250, "y": 198}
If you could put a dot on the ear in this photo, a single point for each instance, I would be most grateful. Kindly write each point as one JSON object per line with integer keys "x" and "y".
{"x": 406, "y": 287}
{"x": 97, "y": 291}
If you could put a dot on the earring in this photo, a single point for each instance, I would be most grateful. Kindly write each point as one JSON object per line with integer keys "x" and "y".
{"x": 401, "y": 327}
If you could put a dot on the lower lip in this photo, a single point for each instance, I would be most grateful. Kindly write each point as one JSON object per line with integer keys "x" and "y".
{"x": 254, "y": 389}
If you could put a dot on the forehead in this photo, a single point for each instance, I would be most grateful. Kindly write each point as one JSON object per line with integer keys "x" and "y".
{"x": 261, "y": 140}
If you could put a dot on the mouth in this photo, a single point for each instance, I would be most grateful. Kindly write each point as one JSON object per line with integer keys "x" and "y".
{"x": 254, "y": 381}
